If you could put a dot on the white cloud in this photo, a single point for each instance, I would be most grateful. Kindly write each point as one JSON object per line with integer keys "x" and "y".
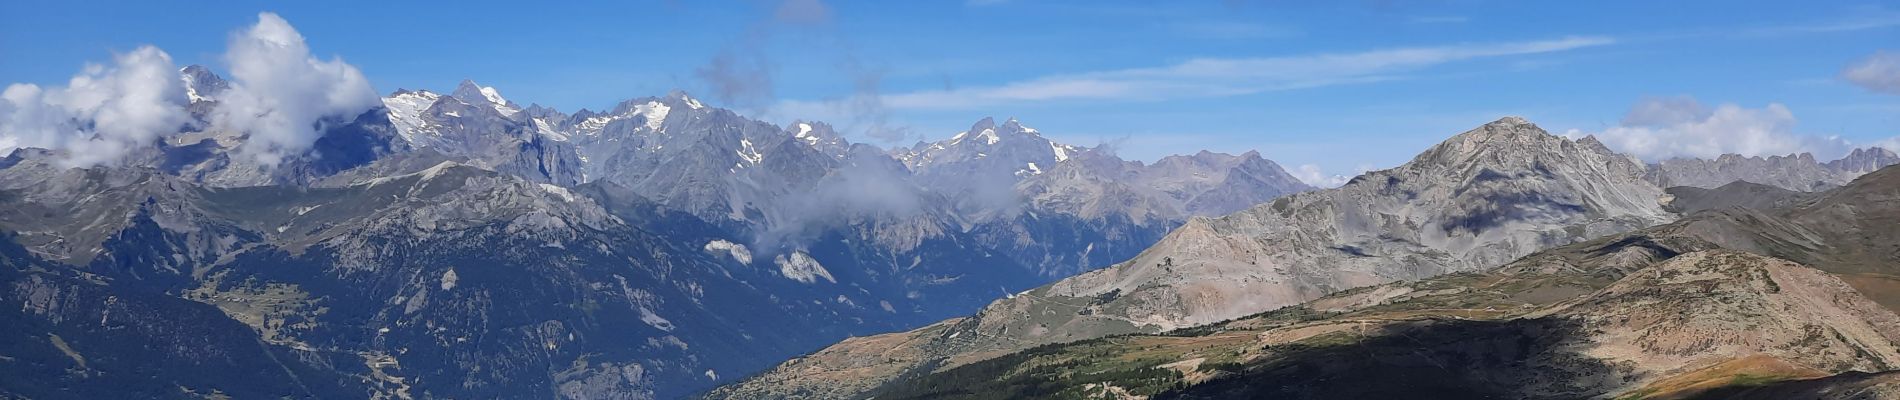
{"x": 280, "y": 93}
{"x": 1663, "y": 128}
{"x": 101, "y": 113}
{"x": 1206, "y": 77}
{"x": 1879, "y": 72}
{"x": 1891, "y": 144}
{"x": 1867, "y": 20}
{"x": 1313, "y": 175}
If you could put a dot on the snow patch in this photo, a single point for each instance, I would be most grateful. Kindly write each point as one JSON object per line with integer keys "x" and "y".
{"x": 1062, "y": 152}
{"x": 438, "y": 169}
{"x": 405, "y": 112}
{"x": 655, "y": 113}
{"x": 748, "y": 153}
{"x": 989, "y": 136}
{"x": 488, "y": 92}
{"x": 654, "y": 320}
{"x": 593, "y": 125}
{"x": 449, "y": 279}
{"x": 738, "y": 251}
{"x": 191, "y": 87}
{"x": 558, "y": 191}
{"x": 804, "y": 132}
{"x": 426, "y": 174}
{"x": 546, "y": 129}
{"x": 801, "y": 267}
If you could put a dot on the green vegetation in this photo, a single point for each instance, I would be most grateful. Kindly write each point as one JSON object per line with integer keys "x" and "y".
{"x": 1025, "y": 375}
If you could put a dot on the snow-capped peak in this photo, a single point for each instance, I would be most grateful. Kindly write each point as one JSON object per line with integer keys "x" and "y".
{"x": 201, "y": 84}
{"x": 474, "y": 94}
{"x": 493, "y": 96}
{"x": 406, "y": 110}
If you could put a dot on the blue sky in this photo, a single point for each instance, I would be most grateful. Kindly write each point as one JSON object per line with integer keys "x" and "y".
{"x": 1333, "y": 86}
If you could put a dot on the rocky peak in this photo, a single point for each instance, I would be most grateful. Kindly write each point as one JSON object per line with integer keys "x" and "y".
{"x": 1864, "y": 160}
{"x": 819, "y": 135}
{"x": 1512, "y": 144}
{"x": 987, "y": 123}
{"x": 681, "y": 98}
{"x": 1798, "y": 172}
{"x": 477, "y": 95}
{"x": 201, "y": 84}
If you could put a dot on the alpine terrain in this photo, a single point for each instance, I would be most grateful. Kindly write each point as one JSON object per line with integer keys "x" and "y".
{"x": 464, "y": 245}
{"x": 1481, "y": 199}
{"x": 977, "y": 199}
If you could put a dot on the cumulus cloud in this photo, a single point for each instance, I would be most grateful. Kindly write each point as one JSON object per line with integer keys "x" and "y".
{"x": 1879, "y": 72}
{"x": 1663, "y": 128}
{"x": 281, "y": 95}
{"x": 1315, "y": 176}
{"x": 101, "y": 113}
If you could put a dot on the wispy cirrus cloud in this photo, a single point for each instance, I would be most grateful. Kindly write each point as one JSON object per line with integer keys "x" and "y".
{"x": 1877, "y": 19}
{"x": 1229, "y": 30}
{"x": 1212, "y": 77}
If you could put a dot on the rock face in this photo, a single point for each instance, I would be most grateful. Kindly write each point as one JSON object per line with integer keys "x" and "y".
{"x": 444, "y": 282}
{"x": 1732, "y": 302}
{"x": 1798, "y": 172}
{"x": 1480, "y": 199}
{"x": 484, "y": 129}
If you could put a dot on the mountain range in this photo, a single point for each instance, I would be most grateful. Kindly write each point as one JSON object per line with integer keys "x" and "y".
{"x": 1481, "y": 199}
{"x": 1729, "y": 302}
{"x": 464, "y": 245}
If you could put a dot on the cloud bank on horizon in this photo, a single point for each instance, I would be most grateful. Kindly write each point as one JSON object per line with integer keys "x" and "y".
{"x": 101, "y": 113}
{"x": 279, "y": 98}
{"x": 1662, "y": 128}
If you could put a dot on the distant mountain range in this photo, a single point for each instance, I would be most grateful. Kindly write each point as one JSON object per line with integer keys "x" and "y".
{"x": 1795, "y": 300}
{"x": 1481, "y": 199}
{"x": 464, "y": 245}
